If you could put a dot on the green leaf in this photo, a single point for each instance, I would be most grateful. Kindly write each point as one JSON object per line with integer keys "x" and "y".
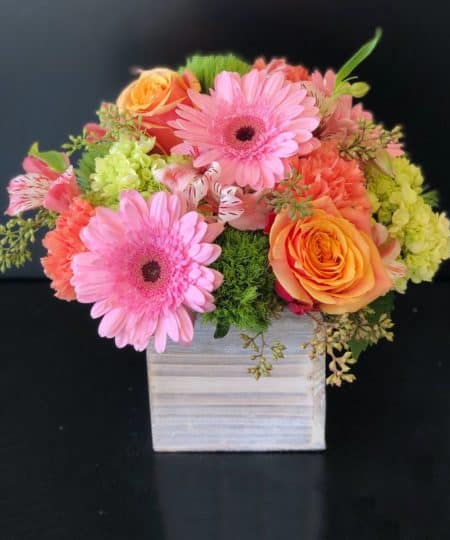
{"x": 431, "y": 197}
{"x": 55, "y": 160}
{"x": 357, "y": 347}
{"x": 383, "y": 161}
{"x": 358, "y": 57}
{"x": 222, "y": 329}
{"x": 384, "y": 304}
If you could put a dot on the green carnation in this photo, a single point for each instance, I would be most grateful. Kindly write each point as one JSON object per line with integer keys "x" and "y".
{"x": 127, "y": 165}
{"x": 402, "y": 206}
{"x": 246, "y": 299}
{"x": 205, "y": 68}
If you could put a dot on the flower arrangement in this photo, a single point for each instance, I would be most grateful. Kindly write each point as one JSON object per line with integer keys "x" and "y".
{"x": 230, "y": 192}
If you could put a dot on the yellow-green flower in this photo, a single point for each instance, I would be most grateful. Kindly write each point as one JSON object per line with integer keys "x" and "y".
{"x": 126, "y": 166}
{"x": 399, "y": 204}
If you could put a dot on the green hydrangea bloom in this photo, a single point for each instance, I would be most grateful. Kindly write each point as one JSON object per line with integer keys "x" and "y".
{"x": 127, "y": 165}
{"x": 399, "y": 203}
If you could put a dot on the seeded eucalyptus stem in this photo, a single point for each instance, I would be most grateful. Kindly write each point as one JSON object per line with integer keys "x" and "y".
{"x": 17, "y": 235}
{"x": 263, "y": 366}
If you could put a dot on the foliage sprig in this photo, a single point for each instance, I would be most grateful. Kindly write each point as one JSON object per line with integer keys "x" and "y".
{"x": 344, "y": 337}
{"x": 76, "y": 143}
{"x": 118, "y": 124}
{"x": 290, "y": 196}
{"x": 366, "y": 142}
{"x": 17, "y": 235}
{"x": 260, "y": 348}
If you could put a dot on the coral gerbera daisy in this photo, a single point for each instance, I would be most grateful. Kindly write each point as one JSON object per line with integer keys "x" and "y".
{"x": 146, "y": 269}
{"x": 250, "y": 125}
{"x": 62, "y": 244}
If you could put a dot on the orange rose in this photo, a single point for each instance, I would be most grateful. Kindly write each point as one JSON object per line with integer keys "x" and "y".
{"x": 154, "y": 96}
{"x": 325, "y": 260}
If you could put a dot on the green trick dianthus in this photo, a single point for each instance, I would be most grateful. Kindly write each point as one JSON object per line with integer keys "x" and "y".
{"x": 246, "y": 299}
{"x": 205, "y": 68}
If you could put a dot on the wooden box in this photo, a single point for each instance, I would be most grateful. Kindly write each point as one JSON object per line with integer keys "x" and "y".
{"x": 203, "y": 399}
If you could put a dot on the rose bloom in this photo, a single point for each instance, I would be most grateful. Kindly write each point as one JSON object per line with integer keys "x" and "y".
{"x": 325, "y": 260}
{"x": 155, "y": 95}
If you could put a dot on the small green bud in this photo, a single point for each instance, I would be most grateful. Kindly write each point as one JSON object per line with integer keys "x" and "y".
{"x": 359, "y": 89}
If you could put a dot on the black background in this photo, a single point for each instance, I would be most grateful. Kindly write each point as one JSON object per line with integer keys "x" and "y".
{"x": 75, "y": 451}
{"x": 60, "y": 58}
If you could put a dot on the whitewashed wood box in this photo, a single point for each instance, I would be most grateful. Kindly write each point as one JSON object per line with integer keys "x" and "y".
{"x": 203, "y": 399}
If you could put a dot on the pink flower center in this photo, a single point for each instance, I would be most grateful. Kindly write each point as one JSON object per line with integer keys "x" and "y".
{"x": 151, "y": 271}
{"x": 242, "y": 132}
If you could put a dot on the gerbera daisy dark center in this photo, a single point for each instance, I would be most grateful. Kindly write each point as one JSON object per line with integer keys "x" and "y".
{"x": 151, "y": 271}
{"x": 245, "y": 133}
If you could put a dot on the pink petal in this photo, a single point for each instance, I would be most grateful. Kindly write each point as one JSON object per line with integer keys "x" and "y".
{"x": 158, "y": 208}
{"x": 214, "y": 230}
{"x": 187, "y": 226}
{"x": 171, "y": 323}
{"x": 205, "y": 253}
{"x": 186, "y": 325}
{"x": 112, "y": 323}
{"x": 100, "y": 308}
{"x": 225, "y": 86}
{"x": 27, "y": 192}
{"x": 160, "y": 336}
{"x": 194, "y": 298}
{"x": 62, "y": 192}
{"x": 134, "y": 209}
{"x": 251, "y": 85}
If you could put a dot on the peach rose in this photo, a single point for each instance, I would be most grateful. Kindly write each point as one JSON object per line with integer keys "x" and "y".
{"x": 325, "y": 260}
{"x": 155, "y": 95}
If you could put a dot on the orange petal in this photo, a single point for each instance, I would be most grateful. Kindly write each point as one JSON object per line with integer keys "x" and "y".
{"x": 287, "y": 279}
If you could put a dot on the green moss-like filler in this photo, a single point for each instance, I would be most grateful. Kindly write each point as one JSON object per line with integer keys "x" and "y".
{"x": 205, "y": 68}
{"x": 246, "y": 299}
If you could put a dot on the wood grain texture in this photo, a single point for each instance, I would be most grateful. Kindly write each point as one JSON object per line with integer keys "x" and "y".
{"x": 203, "y": 399}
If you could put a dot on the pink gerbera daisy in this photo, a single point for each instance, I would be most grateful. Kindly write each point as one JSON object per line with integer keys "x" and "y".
{"x": 146, "y": 270}
{"x": 250, "y": 125}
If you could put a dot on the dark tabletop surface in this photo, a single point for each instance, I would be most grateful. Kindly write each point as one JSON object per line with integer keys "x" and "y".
{"x": 76, "y": 461}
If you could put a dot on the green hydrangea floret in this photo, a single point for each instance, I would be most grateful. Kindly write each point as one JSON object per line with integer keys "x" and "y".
{"x": 127, "y": 165}
{"x": 246, "y": 299}
{"x": 399, "y": 202}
